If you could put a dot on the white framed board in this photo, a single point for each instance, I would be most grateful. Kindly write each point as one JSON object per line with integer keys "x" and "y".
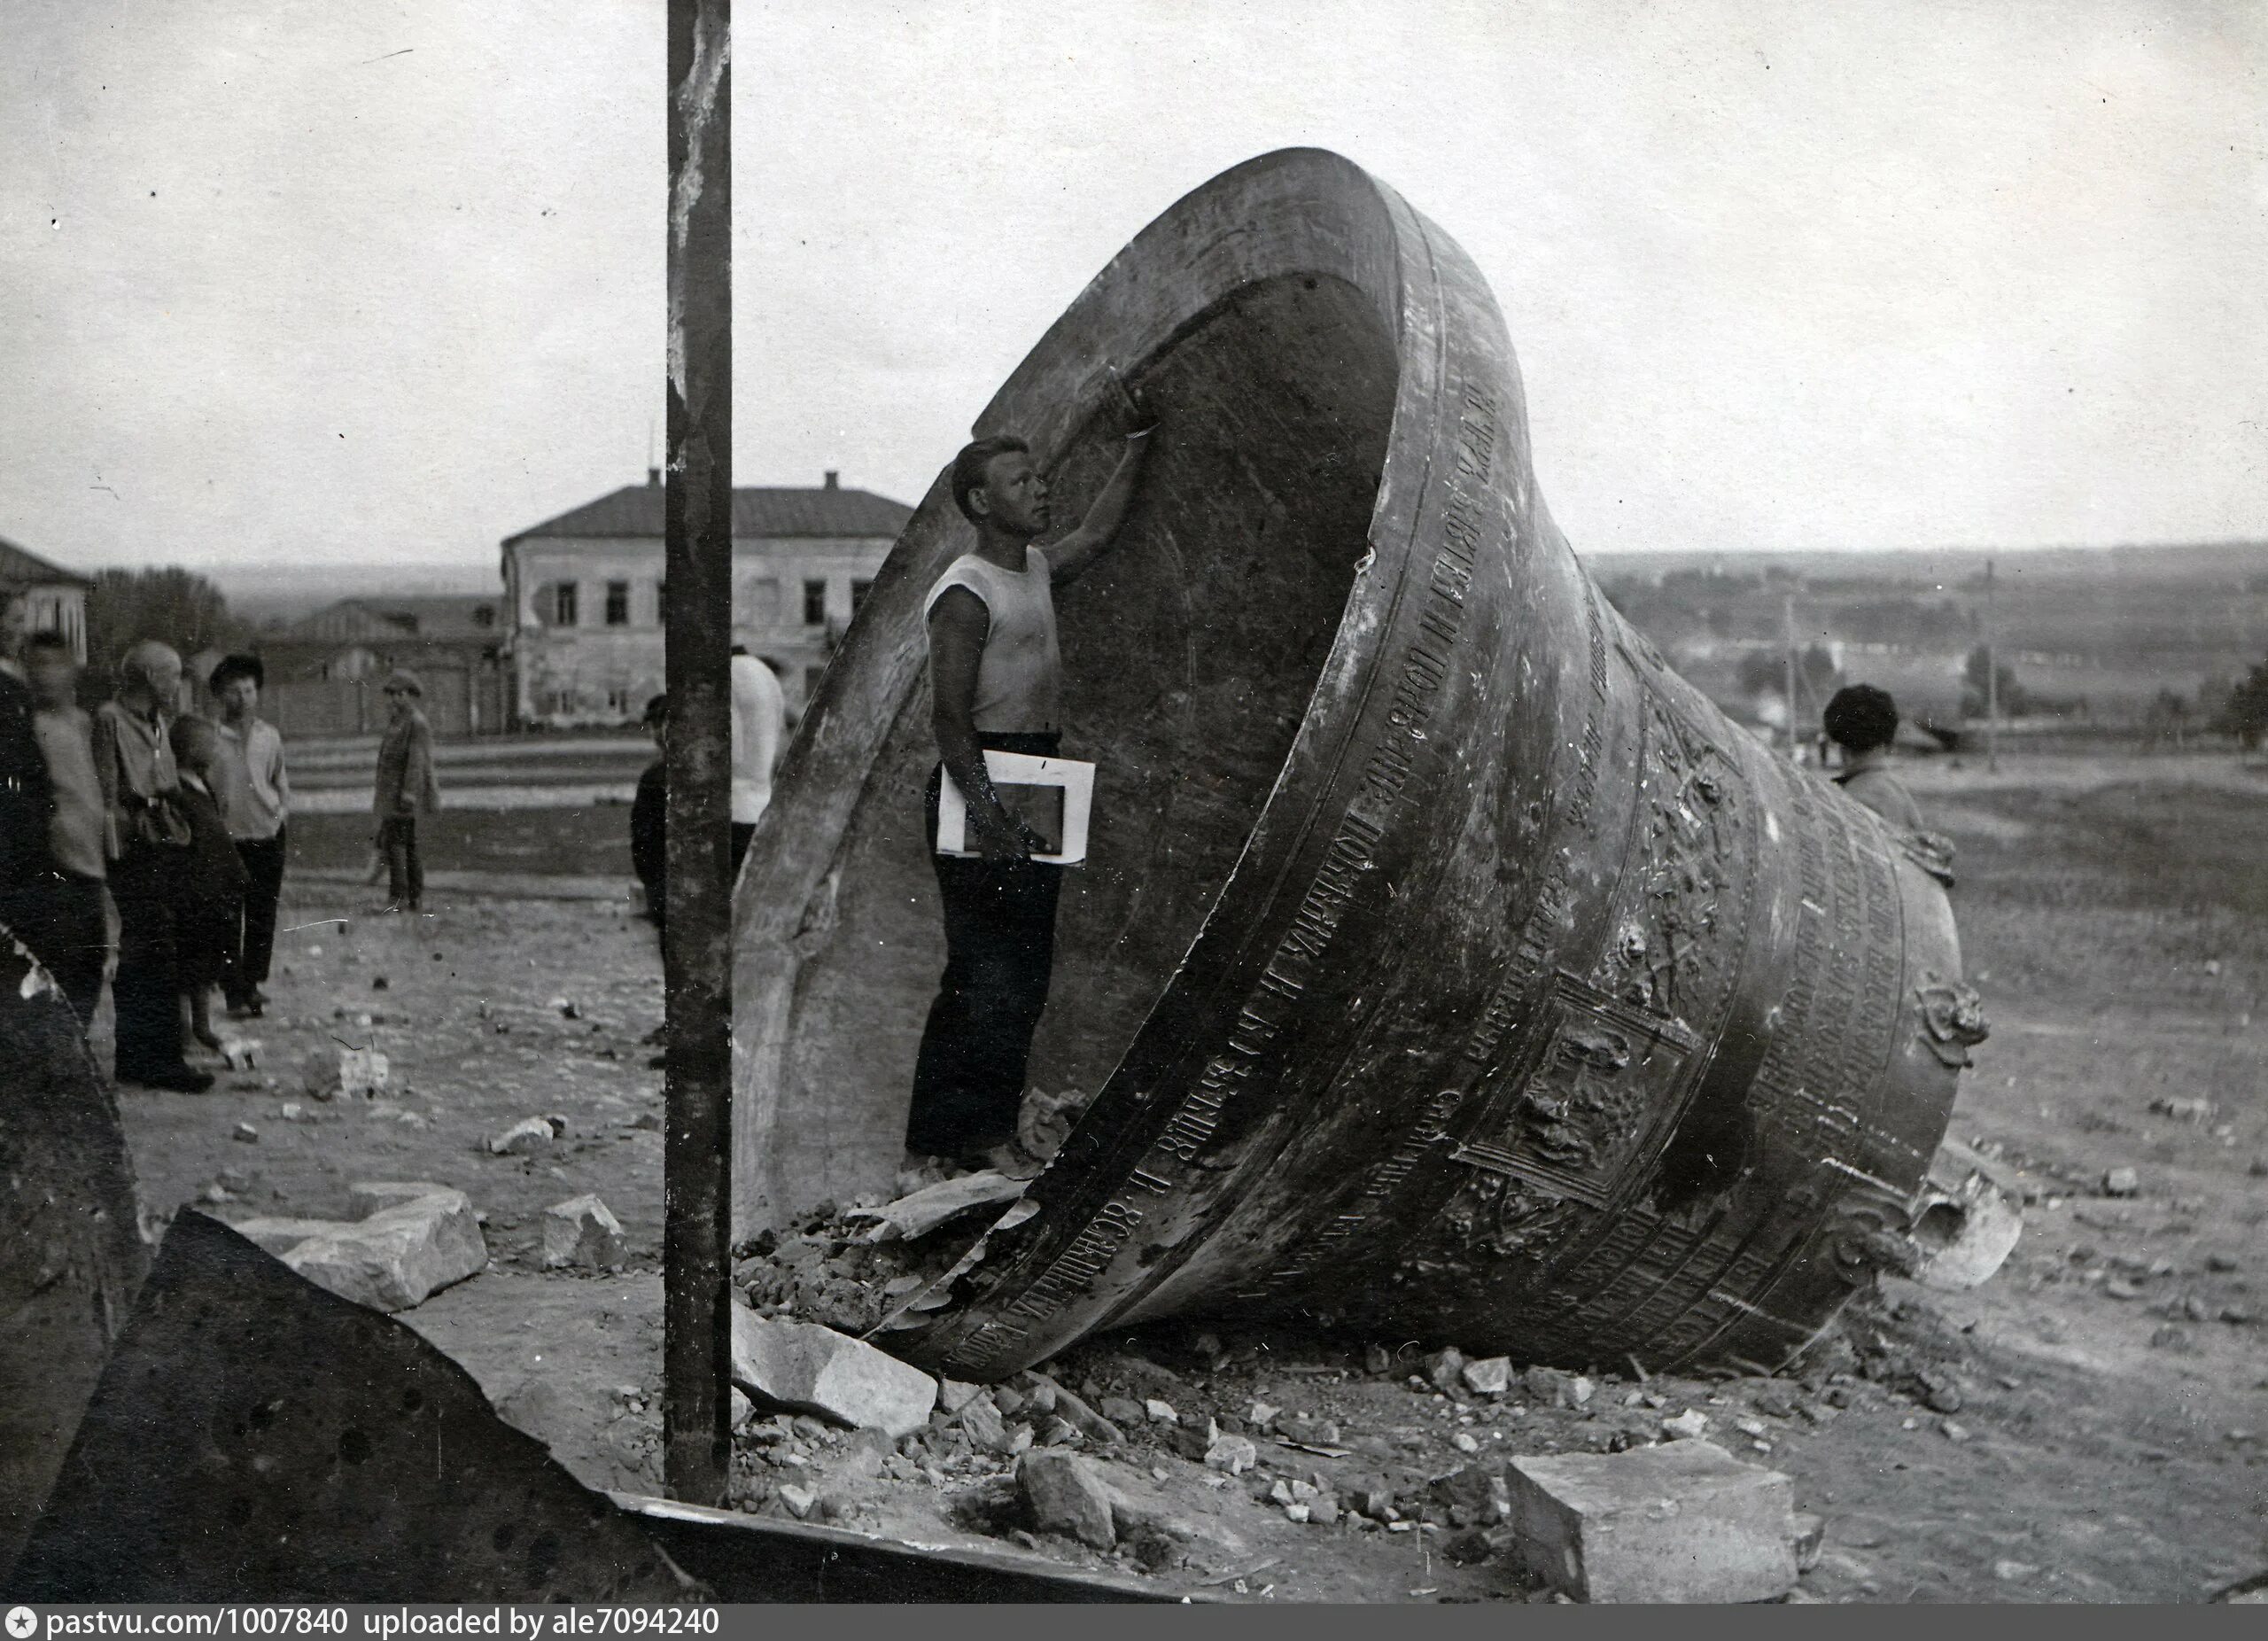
{"x": 1055, "y": 797}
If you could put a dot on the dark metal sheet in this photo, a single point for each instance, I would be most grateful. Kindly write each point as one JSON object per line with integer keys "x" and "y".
{"x": 255, "y": 1438}
{"x": 71, "y": 1254}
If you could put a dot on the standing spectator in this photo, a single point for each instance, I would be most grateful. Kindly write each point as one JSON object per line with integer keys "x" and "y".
{"x": 134, "y": 761}
{"x": 649, "y": 818}
{"x": 58, "y": 907}
{"x": 406, "y": 790}
{"x": 209, "y": 917}
{"x": 255, "y": 797}
{"x": 759, "y": 718}
{"x": 26, "y": 794}
{"x": 1863, "y": 722}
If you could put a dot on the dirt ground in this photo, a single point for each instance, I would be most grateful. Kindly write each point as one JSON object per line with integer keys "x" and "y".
{"x": 2090, "y": 1425}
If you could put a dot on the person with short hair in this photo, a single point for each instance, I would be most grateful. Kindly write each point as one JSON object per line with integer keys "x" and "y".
{"x": 58, "y": 906}
{"x": 649, "y": 818}
{"x": 1863, "y": 722}
{"x": 209, "y": 914}
{"x": 141, "y": 784}
{"x": 406, "y": 790}
{"x": 996, "y": 671}
{"x": 255, "y": 795}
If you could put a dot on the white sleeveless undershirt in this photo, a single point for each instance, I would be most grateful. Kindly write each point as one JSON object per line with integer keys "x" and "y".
{"x": 1020, "y": 679}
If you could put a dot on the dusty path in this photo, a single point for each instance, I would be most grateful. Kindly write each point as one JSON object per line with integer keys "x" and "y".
{"x": 2111, "y": 1437}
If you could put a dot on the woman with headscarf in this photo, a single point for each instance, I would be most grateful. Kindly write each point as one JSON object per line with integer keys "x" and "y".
{"x": 134, "y": 760}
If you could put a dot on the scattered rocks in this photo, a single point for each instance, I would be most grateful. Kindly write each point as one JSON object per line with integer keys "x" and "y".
{"x": 1161, "y": 1411}
{"x": 581, "y": 1233}
{"x": 2121, "y": 1182}
{"x": 1068, "y": 1494}
{"x": 1235, "y": 1454}
{"x": 397, "y": 1257}
{"x": 1489, "y": 1376}
{"x": 810, "y": 1368}
{"x": 1687, "y": 1426}
{"x": 1123, "y": 1410}
{"x": 244, "y": 1133}
{"x": 524, "y": 1138}
{"x": 1444, "y": 1368}
{"x": 800, "y": 1501}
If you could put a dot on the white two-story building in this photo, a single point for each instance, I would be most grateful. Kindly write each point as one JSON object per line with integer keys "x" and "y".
{"x": 585, "y": 594}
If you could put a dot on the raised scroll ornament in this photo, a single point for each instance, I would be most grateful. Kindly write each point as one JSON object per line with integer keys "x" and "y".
{"x": 1953, "y": 1018}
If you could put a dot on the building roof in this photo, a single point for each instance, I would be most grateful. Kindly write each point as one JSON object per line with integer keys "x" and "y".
{"x": 758, "y": 512}
{"x": 431, "y": 618}
{"x": 28, "y": 569}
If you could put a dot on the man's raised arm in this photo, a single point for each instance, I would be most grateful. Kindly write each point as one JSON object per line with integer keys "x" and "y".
{"x": 1069, "y": 558}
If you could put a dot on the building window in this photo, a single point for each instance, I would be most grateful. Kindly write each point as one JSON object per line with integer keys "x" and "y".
{"x": 859, "y": 591}
{"x": 617, "y": 603}
{"x": 757, "y": 601}
{"x": 814, "y": 604}
{"x": 563, "y": 611}
{"x": 483, "y": 616}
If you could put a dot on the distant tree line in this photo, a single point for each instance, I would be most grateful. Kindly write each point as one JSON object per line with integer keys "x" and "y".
{"x": 173, "y": 605}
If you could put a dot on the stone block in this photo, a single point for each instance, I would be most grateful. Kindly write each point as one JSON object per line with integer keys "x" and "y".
{"x": 523, "y": 1138}
{"x": 396, "y": 1257}
{"x": 582, "y": 1232}
{"x": 371, "y": 1196}
{"x": 816, "y": 1370}
{"x": 1489, "y": 1376}
{"x": 1067, "y": 1494}
{"x": 1685, "y": 1522}
{"x": 279, "y": 1236}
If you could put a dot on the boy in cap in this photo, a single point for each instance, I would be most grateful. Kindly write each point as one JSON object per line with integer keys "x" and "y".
{"x": 406, "y": 790}
{"x": 1863, "y": 722}
{"x": 255, "y": 797}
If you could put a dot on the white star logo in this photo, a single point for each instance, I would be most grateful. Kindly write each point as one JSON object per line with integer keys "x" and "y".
{"x": 21, "y": 1621}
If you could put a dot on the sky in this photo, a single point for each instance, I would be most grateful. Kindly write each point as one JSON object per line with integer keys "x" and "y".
{"x": 296, "y": 281}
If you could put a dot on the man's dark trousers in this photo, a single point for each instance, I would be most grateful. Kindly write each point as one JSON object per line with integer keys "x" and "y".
{"x": 263, "y": 858}
{"x": 405, "y": 872}
{"x": 968, "y": 1080}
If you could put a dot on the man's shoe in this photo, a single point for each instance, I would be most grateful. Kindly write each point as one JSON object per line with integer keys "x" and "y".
{"x": 180, "y": 1078}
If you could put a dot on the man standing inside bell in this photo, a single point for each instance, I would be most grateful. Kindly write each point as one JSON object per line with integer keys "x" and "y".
{"x": 995, "y": 674}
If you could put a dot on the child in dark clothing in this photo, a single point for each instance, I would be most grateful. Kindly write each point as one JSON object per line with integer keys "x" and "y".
{"x": 207, "y": 918}
{"x": 648, "y": 816}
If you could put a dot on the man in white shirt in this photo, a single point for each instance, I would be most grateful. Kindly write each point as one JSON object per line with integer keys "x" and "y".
{"x": 759, "y": 721}
{"x": 255, "y": 798}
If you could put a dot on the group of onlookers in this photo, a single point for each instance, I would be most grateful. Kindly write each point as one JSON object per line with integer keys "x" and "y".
{"x": 176, "y": 819}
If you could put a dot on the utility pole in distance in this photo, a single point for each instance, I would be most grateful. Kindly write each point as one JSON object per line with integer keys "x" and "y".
{"x": 1992, "y": 675}
{"x": 698, "y": 568}
{"x": 1788, "y": 642}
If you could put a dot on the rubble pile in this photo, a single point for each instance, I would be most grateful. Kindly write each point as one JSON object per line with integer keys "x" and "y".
{"x": 852, "y": 1266}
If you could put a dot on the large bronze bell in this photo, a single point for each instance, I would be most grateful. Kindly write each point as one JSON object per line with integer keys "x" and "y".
{"x": 1444, "y": 964}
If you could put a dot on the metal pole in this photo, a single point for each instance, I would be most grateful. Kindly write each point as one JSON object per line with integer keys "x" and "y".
{"x": 696, "y": 1180}
{"x": 1992, "y": 676}
{"x": 1788, "y": 637}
